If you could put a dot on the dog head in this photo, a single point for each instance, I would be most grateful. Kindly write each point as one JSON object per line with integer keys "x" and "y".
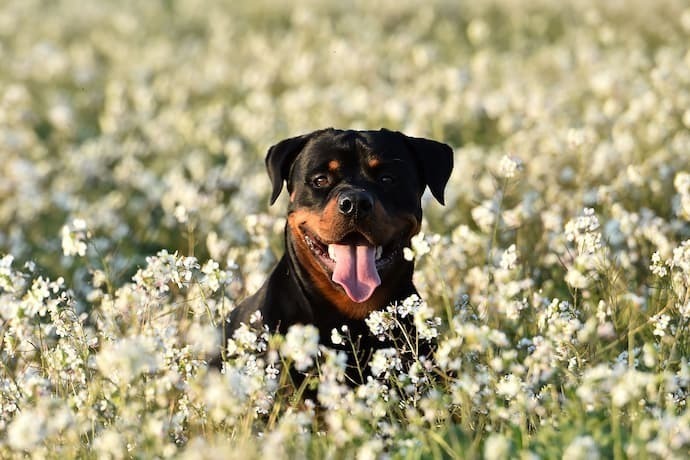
{"x": 355, "y": 203}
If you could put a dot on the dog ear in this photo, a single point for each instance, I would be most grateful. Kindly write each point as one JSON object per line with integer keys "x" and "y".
{"x": 436, "y": 161}
{"x": 279, "y": 160}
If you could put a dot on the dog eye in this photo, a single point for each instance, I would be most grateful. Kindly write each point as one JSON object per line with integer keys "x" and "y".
{"x": 320, "y": 181}
{"x": 386, "y": 179}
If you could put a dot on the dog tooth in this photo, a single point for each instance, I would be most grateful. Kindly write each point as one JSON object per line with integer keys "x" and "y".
{"x": 379, "y": 252}
{"x": 331, "y": 252}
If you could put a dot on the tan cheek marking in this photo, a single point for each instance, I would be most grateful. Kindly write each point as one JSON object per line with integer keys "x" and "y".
{"x": 303, "y": 216}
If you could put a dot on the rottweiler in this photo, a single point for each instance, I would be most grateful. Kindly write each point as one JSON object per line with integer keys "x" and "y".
{"x": 355, "y": 203}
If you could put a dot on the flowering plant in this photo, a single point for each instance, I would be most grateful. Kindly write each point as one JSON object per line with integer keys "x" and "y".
{"x": 553, "y": 287}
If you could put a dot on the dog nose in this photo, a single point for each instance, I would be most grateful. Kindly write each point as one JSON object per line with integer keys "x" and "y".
{"x": 355, "y": 203}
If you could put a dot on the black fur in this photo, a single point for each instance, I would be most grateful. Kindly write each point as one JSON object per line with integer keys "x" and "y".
{"x": 290, "y": 295}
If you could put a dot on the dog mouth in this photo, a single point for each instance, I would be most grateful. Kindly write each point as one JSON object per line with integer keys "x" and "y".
{"x": 353, "y": 262}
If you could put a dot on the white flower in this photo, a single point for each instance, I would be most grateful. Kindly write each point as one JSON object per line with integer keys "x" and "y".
{"x": 204, "y": 339}
{"x": 485, "y": 215}
{"x": 419, "y": 247}
{"x": 333, "y": 364}
{"x": 447, "y": 355}
{"x": 509, "y": 386}
{"x": 126, "y": 359}
{"x": 165, "y": 268}
{"x": 660, "y": 323}
{"x": 379, "y": 322}
{"x": 336, "y": 338}
{"x": 214, "y": 276}
{"x": 272, "y": 372}
{"x": 110, "y": 444}
{"x": 301, "y": 345}
{"x": 575, "y": 278}
{"x": 682, "y": 184}
{"x": 6, "y": 274}
{"x": 383, "y": 361}
{"x": 27, "y": 430}
{"x": 409, "y": 306}
{"x": 425, "y": 322}
{"x": 256, "y": 317}
{"x": 497, "y": 447}
{"x": 74, "y": 236}
{"x": 245, "y": 337}
{"x": 370, "y": 450}
{"x": 180, "y": 214}
{"x": 478, "y": 31}
{"x": 658, "y": 267}
{"x": 630, "y": 387}
{"x": 584, "y": 232}
{"x": 509, "y": 258}
{"x": 684, "y": 309}
{"x": 509, "y": 166}
{"x": 575, "y": 137}
{"x": 582, "y": 448}
{"x": 681, "y": 258}
{"x": 331, "y": 393}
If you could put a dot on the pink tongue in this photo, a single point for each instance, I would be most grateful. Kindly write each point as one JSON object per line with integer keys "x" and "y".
{"x": 355, "y": 271}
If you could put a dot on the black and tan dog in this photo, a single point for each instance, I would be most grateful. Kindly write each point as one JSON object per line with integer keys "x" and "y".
{"x": 355, "y": 203}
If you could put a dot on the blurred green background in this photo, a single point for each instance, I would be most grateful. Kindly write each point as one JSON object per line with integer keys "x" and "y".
{"x": 150, "y": 120}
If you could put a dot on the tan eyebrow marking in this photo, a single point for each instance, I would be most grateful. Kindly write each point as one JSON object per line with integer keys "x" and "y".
{"x": 374, "y": 162}
{"x": 333, "y": 165}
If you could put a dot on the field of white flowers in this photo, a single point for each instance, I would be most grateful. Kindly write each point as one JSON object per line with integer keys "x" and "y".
{"x": 134, "y": 216}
